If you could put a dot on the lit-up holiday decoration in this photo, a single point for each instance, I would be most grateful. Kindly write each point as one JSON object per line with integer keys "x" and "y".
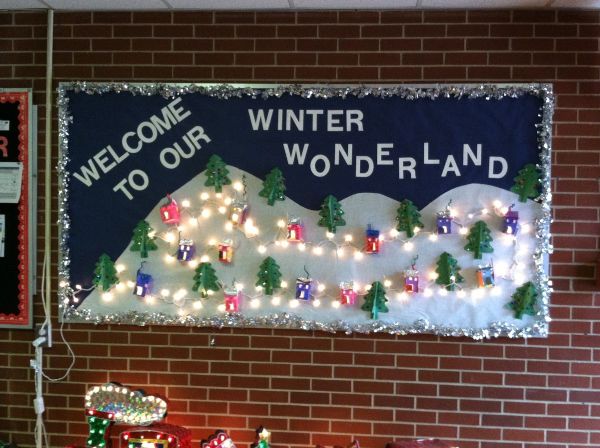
{"x": 156, "y": 436}
{"x": 232, "y": 299}
{"x": 238, "y": 212}
{"x": 225, "y": 251}
{"x": 347, "y": 293}
{"x": 113, "y": 403}
{"x": 444, "y": 220}
{"x": 262, "y": 439}
{"x": 143, "y": 283}
{"x": 485, "y": 276}
{"x": 510, "y": 224}
{"x": 186, "y": 249}
{"x": 372, "y": 243}
{"x": 411, "y": 278}
{"x": 304, "y": 287}
{"x": 295, "y": 230}
{"x": 220, "y": 439}
{"x": 169, "y": 212}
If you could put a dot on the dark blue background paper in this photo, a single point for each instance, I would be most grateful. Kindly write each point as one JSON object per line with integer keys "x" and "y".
{"x": 102, "y": 220}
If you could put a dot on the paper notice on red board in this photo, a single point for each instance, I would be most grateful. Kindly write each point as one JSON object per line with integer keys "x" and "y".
{"x": 11, "y": 174}
{"x": 4, "y": 125}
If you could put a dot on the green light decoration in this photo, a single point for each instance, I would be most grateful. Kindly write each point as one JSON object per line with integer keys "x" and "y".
{"x": 105, "y": 274}
{"x": 408, "y": 218}
{"x": 273, "y": 187}
{"x": 479, "y": 240}
{"x": 375, "y": 300}
{"x": 269, "y": 276}
{"x": 98, "y": 436}
{"x": 527, "y": 183}
{"x": 448, "y": 272}
{"x": 331, "y": 214}
{"x": 216, "y": 173}
{"x": 524, "y": 300}
{"x": 205, "y": 279}
{"x": 142, "y": 242}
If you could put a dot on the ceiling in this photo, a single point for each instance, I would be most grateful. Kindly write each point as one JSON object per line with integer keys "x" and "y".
{"x": 290, "y": 5}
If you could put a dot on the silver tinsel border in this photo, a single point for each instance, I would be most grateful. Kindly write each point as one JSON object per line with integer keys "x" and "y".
{"x": 284, "y": 320}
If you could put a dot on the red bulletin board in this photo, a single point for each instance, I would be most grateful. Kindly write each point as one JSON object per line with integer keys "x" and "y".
{"x": 16, "y": 216}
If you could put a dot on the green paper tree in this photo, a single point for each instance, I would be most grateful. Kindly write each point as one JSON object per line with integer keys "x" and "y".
{"x": 273, "y": 187}
{"x": 205, "y": 279}
{"x": 142, "y": 241}
{"x": 98, "y": 435}
{"x": 269, "y": 275}
{"x": 375, "y": 300}
{"x": 331, "y": 214}
{"x": 408, "y": 217}
{"x": 216, "y": 173}
{"x": 448, "y": 272}
{"x": 479, "y": 240}
{"x": 524, "y": 300}
{"x": 527, "y": 182}
{"x": 105, "y": 274}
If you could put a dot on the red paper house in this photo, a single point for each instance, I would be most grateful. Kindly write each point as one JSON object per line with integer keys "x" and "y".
{"x": 156, "y": 436}
{"x": 347, "y": 293}
{"x": 295, "y": 230}
{"x": 226, "y": 251}
{"x": 372, "y": 244}
{"x": 169, "y": 212}
{"x": 220, "y": 439}
{"x": 232, "y": 300}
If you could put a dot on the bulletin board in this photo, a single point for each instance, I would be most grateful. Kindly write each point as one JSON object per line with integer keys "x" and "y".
{"x": 16, "y": 146}
{"x": 403, "y": 209}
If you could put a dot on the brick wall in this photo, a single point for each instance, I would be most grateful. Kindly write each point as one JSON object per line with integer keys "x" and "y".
{"x": 310, "y": 387}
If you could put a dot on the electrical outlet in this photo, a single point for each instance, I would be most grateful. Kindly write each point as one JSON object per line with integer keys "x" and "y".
{"x": 44, "y": 332}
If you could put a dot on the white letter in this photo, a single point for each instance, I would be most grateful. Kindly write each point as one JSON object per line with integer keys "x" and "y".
{"x": 313, "y": 164}
{"x": 297, "y": 119}
{"x": 370, "y": 163}
{"x": 140, "y": 128}
{"x": 166, "y": 122}
{"x": 354, "y": 117}
{"x": 197, "y": 133}
{"x": 121, "y": 186}
{"x": 185, "y": 155}
{"x": 347, "y": 155}
{"x": 295, "y": 154}
{"x": 163, "y": 158}
{"x": 381, "y": 153}
{"x": 86, "y": 173}
{"x": 259, "y": 119}
{"x": 468, "y": 154}
{"x": 101, "y": 160}
{"x": 145, "y": 180}
{"x": 450, "y": 165}
{"x": 126, "y": 146}
{"x": 406, "y": 164}
{"x": 426, "y": 159}
{"x": 115, "y": 156}
{"x": 502, "y": 173}
{"x": 332, "y": 121}
{"x": 177, "y": 112}
{"x": 314, "y": 113}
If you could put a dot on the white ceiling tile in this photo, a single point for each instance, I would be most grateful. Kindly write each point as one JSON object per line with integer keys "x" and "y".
{"x": 21, "y": 4}
{"x": 576, "y": 4}
{"x": 482, "y": 4}
{"x": 96, "y": 5}
{"x": 229, "y": 4}
{"x": 354, "y": 4}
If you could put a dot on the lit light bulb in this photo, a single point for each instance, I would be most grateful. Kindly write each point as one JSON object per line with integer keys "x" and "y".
{"x": 525, "y": 228}
{"x": 470, "y": 215}
{"x": 301, "y": 247}
{"x": 237, "y": 186}
{"x": 285, "y": 244}
{"x": 222, "y": 209}
{"x": 170, "y": 237}
{"x": 368, "y": 287}
{"x": 358, "y": 255}
{"x": 504, "y": 210}
{"x": 316, "y": 251}
{"x": 443, "y": 292}
{"x": 149, "y": 299}
{"x": 461, "y": 293}
{"x": 427, "y": 292}
{"x": 316, "y": 303}
{"x": 394, "y": 233}
{"x": 120, "y": 286}
{"x": 204, "y": 196}
{"x": 294, "y": 303}
{"x": 262, "y": 249}
{"x": 229, "y": 226}
{"x": 497, "y": 203}
{"x": 254, "y": 303}
{"x": 408, "y": 245}
{"x": 107, "y": 296}
{"x": 227, "y": 201}
{"x": 205, "y": 213}
{"x": 193, "y": 264}
{"x": 453, "y": 213}
{"x": 258, "y": 288}
{"x": 197, "y": 305}
{"x": 321, "y": 287}
{"x": 130, "y": 284}
{"x": 218, "y": 195}
{"x": 281, "y": 223}
{"x": 284, "y": 284}
{"x": 340, "y": 252}
{"x": 212, "y": 242}
{"x": 239, "y": 286}
{"x": 210, "y": 292}
{"x": 185, "y": 203}
{"x": 335, "y": 304}
{"x": 347, "y": 238}
{"x": 417, "y": 230}
{"x": 120, "y": 268}
{"x": 433, "y": 275}
{"x": 62, "y": 284}
{"x": 169, "y": 258}
{"x": 387, "y": 283}
{"x": 180, "y": 294}
{"x": 484, "y": 211}
{"x": 463, "y": 231}
{"x": 221, "y": 307}
{"x": 276, "y": 300}
{"x": 433, "y": 237}
{"x": 165, "y": 292}
{"x": 329, "y": 235}
{"x": 402, "y": 296}
{"x": 193, "y": 221}
{"x": 204, "y": 259}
